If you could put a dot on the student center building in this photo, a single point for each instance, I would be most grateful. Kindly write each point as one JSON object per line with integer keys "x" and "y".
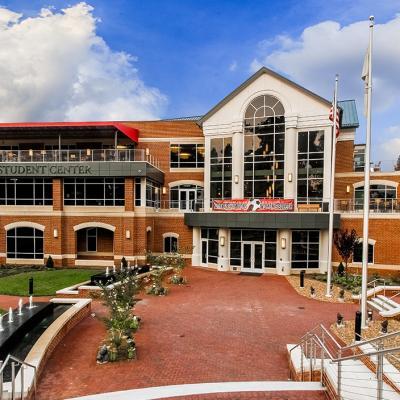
{"x": 243, "y": 188}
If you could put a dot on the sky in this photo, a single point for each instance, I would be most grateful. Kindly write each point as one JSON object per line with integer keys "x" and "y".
{"x": 134, "y": 59}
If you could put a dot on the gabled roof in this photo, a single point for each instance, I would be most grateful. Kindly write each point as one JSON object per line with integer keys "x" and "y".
{"x": 349, "y": 114}
{"x": 260, "y": 72}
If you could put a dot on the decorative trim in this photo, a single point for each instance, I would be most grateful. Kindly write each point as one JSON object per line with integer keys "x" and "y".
{"x": 94, "y": 225}
{"x": 148, "y": 229}
{"x": 186, "y": 182}
{"x": 377, "y": 182}
{"x": 24, "y": 224}
{"x": 172, "y": 234}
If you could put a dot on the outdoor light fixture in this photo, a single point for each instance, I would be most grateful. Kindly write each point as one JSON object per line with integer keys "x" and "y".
{"x": 222, "y": 240}
{"x": 55, "y": 232}
{"x": 164, "y": 190}
{"x": 128, "y": 234}
{"x": 147, "y": 151}
{"x": 290, "y": 177}
{"x": 236, "y": 179}
{"x": 30, "y": 152}
{"x": 88, "y": 152}
{"x": 348, "y": 189}
{"x": 283, "y": 243}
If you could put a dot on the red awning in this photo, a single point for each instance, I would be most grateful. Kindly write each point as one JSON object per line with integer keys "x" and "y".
{"x": 130, "y": 132}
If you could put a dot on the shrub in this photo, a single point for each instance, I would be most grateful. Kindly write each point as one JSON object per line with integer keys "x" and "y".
{"x": 49, "y": 262}
{"x": 341, "y": 269}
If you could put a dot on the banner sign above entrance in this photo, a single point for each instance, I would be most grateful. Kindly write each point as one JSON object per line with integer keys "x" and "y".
{"x": 253, "y": 205}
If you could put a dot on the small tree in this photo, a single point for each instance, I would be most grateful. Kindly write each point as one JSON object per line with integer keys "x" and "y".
{"x": 345, "y": 243}
{"x": 49, "y": 262}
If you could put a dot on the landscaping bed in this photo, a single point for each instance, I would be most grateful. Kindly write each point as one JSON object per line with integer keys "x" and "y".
{"x": 46, "y": 281}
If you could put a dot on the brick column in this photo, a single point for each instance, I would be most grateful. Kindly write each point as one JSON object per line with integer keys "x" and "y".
{"x": 129, "y": 194}
{"x": 58, "y": 198}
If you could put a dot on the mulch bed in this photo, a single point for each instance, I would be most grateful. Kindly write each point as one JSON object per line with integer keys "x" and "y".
{"x": 320, "y": 290}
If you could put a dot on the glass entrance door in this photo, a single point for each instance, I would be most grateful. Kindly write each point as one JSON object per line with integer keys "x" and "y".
{"x": 204, "y": 252}
{"x": 252, "y": 256}
{"x": 187, "y": 199}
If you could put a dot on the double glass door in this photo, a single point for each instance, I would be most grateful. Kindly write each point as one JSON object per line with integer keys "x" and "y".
{"x": 252, "y": 256}
{"x": 187, "y": 199}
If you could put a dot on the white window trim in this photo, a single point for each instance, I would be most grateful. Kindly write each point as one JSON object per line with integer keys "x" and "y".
{"x": 385, "y": 182}
{"x": 94, "y": 225}
{"x": 24, "y": 224}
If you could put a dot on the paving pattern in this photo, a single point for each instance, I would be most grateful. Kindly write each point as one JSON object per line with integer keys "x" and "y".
{"x": 220, "y": 327}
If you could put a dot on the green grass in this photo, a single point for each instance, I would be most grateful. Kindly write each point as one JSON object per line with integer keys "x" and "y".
{"x": 45, "y": 283}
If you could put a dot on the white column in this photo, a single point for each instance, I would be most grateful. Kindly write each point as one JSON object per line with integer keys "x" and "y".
{"x": 237, "y": 165}
{"x": 143, "y": 191}
{"x": 223, "y": 246}
{"x": 323, "y": 251}
{"x": 207, "y": 174}
{"x": 290, "y": 162}
{"x": 283, "y": 266}
{"x": 196, "y": 255}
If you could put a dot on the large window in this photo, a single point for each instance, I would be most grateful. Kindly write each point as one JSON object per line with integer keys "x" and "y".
{"x": 382, "y": 197}
{"x": 209, "y": 248}
{"x": 91, "y": 239}
{"x": 310, "y": 168}
{"x": 358, "y": 250}
{"x": 187, "y": 155}
{"x": 186, "y": 197}
{"x": 152, "y": 193}
{"x": 94, "y": 191}
{"x": 170, "y": 244}
{"x": 25, "y": 242}
{"x": 305, "y": 249}
{"x": 26, "y": 191}
{"x": 138, "y": 192}
{"x": 221, "y": 168}
{"x": 249, "y": 235}
{"x": 264, "y": 147}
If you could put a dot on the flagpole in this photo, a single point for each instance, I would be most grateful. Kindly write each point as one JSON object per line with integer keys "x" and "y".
{"x": 332, "y": 192}
{"x": 367, "y": 185}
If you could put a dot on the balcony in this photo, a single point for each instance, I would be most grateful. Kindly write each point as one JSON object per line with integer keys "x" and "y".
{"x": 380, "y": 166}
{"x": 375, "y": 206}
{"x": 77, "y": 156}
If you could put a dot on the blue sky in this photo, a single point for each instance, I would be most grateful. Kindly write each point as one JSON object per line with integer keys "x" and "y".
{"x": 196, "y": 52}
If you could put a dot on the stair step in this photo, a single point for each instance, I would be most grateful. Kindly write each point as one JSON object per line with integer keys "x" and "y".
{"x": 386, "y": 306}
{"x": 375, "y": 306}
{"x": 388, "y": 301}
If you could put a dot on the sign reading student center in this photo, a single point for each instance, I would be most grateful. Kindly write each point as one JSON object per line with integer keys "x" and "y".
{"x": 45, "y": 169}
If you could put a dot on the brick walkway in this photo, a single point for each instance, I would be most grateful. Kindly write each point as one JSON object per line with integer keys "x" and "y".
{"x": 221, "y": 327}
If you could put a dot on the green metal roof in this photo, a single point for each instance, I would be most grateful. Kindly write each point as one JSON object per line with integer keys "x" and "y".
{"x": 349, "y": 115}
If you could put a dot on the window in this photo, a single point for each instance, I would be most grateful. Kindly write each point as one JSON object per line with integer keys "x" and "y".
{"x": 266, "y": 236}
{"x": 152, "y": 194}
{"x": 94, "y": 191}
{"x": 25, "y": 242}
{"x": 210, "y": 237}
{"x": 310, "y": 166}
{"x": 221, "y": 168}
{"x": 170, "y": 244}
{"x": 187, "y": 155}
{"x": 305, "y": 249}
{"x": 359, "y": 157}
{"x": 138, "y": 192}
{"x": 186, "y": 197}
{"x": 264, "y": 147}
{"x": 382, "y": 197}
{"x": 358, "y": 249}
{"x": 26, "y": 191}
{"x": 91, "y": 239}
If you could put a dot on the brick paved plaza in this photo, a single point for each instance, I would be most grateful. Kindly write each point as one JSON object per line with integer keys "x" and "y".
{"x": 220, "y": 327}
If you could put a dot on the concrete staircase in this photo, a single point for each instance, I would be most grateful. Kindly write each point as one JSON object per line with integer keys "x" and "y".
{"x": 385, "y": 306}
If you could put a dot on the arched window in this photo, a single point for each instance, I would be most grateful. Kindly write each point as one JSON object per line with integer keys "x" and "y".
{"x": 382, "y": 196}
{"x": 358, "y": 249}
{"x": 25, "y": 242}
{"x": 186, "y": 196}
{"x": 264, "y": 145}
{"x": 170, "y": 244}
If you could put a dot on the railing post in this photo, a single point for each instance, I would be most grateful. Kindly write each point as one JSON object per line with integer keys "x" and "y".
{"x": 12, "y": 380}
{"x": 22, "y": 381}
{"x": 1, "y": 381}
{"x": 301, "y": 362}
{"x": 379, "y": 373}
{"x": 322, "y": 366}
{"x": 310, "y": 356}
{"x": 339, "y": 377}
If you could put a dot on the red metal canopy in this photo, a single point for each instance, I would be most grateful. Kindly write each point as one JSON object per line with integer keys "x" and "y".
{"x": 130, "y": 132}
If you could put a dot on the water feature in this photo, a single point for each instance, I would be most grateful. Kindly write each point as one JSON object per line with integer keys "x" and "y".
{"x": 20, "y": 302}
{"x": 10, "y": 316}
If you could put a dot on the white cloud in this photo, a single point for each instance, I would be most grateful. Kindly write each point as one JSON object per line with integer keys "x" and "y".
{"x": 327, "y": 48}
{"x": 390, "y": 149}
{"x": 233, "y": 66}
{"x": 55, "y": 67}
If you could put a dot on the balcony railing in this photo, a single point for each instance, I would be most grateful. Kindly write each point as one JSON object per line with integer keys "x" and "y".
{"x": 375, "y": 205}
{"x": 76, "y": 155}
{"x": 380, "y": 166}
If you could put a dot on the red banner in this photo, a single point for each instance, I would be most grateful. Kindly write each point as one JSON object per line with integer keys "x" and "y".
{"x": 253, "y": 205}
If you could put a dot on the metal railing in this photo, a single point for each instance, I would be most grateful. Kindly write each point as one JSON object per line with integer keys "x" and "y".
{"x": 380, "y": 166}
{"x": 16, "y": 389}
{"x": 324, "y": 359}
{"x": 77, "y": 155}
{"x": 375, "y": 205}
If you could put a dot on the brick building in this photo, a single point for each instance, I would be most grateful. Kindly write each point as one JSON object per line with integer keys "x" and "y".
{"x": 89, "y": 193}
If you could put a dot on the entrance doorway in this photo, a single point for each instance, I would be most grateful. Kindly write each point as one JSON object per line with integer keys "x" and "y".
{"x": 204, "y": 252}
{"x": 252, "y": 256}
{"x": 187, "y": 199}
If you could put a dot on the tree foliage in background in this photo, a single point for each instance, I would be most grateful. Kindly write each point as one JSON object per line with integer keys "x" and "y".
{"x": 345, "y": 243}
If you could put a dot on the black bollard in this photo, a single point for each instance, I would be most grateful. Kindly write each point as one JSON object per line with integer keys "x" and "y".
{"x": 30, "y": 286}
{"x": 357, "y": 326}
{"x": 302, "y": 272}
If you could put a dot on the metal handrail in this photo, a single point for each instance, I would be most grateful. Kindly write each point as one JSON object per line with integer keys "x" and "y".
{"x": 377, "y": 339}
